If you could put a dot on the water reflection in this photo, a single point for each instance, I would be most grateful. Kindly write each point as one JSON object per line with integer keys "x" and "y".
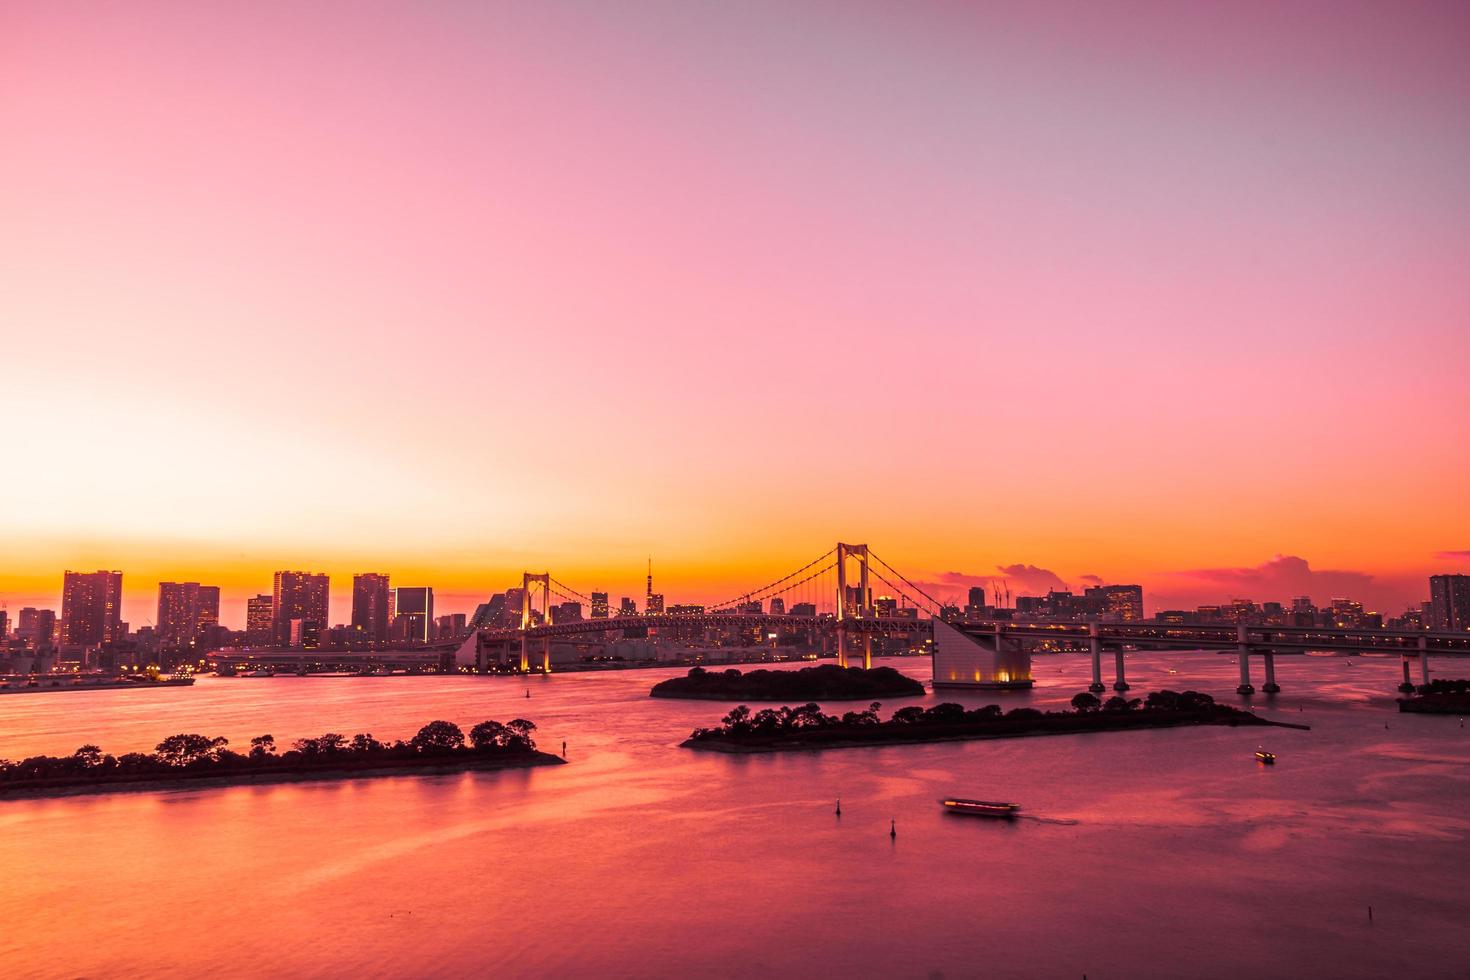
{"x": 1150, "y": 853}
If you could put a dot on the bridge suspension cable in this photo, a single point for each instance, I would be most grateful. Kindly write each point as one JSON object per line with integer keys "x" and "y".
{"x": 754, "y": 593}
{"x": 574, "y": 593}
{"x": 938, "y": 607}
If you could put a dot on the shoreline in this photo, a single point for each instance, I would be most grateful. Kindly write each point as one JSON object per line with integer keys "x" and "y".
{"x": 919, "y": 737}
{"x": 150, "y": 782}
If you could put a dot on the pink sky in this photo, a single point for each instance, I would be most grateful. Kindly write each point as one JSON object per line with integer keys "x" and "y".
{"x": 1145, "y": 291}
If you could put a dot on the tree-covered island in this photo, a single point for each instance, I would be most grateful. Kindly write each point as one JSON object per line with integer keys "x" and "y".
{"x": 806, "y": 727}
{"x": 192, "y": 759}
{"x": 827, "y": 682}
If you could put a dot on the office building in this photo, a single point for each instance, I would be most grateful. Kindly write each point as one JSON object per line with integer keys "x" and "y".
{"x": 37, "y": 627}
{"x": 452, "y": 626}
{"x": 599, "y": 605}
{"x": 1115, "y": 603}
{"x": 414, "y": 622}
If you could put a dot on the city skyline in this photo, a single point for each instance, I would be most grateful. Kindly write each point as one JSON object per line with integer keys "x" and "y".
{"x": 1099, "y": 308}
{"x": 365, "y": 604}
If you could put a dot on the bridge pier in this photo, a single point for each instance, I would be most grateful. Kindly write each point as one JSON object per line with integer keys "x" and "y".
{"x": 1095, "y": 644}
{"x": 841, "y": 644}
{"x": 546, "y": 655}
{"x": 1243, "y": 655}
{"x": 525, "y": 653}
{"x": 1120, "y": 683}
{"x": 867, "y": 650}
{"x": 1407, "y": 687}
{"x": 1270, "y": 687}
{"x": 1423, "y": 660}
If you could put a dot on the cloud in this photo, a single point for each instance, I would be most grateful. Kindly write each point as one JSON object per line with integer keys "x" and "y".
{"x": 1094, "y": 579}
{"x": 1024, "y": 579}
{"x": 1031, "y": 578}
{"x": 1453, "y": 555}
{"x": 1279, "y": 579}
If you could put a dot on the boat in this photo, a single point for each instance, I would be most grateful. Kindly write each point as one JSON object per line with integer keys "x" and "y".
{"x": 980, "y": 808}
{"x": 1269, "y": 758}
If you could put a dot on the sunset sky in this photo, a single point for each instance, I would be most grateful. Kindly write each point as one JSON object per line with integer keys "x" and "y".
{"x": 1168, "y": 293}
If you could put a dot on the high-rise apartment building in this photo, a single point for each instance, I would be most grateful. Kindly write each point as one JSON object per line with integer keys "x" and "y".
{"x": 1449, "y": 603}
{"x": 185, "y": 610}
{"x": 258, "y": 621}
{"x": 370, "y": 612}
{"x": 91, "y": 608}
{"x": 299, "y": 597}
{"x": 599, "y": 605}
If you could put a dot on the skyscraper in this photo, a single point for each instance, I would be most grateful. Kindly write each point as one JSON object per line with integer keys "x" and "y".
{"x": 599, "y": 605}
{"x": 415, "y": 620}
{"x": 299, "y": 596}
{"x": 627, "y": 607}
{"x": 91, "y": 605}
{"x": 1449, "y": 603}
{"x": 185, "y": 609}
{"x": 258, "y": 620}
{"x": 370, "y": 607}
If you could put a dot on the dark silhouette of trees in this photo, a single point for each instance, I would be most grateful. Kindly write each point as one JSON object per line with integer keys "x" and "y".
{"x": 184, "y": 750}
{"x": 825, "y": 682}
{"x": 486, "y": 734}
{"x": 438, "y": 736}
{"x": 1085, "y": 701}
{"x": 807, "y": 724}
{"x": 187, "y": 756}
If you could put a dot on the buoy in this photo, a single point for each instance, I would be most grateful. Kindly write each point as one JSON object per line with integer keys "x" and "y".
{"x": 893, "y": 828}
{"x": 563, "y": 750}
{"x": 839, "y": 808}
{"x": 528, "y": 692}
{"x": 1370, "y": 913}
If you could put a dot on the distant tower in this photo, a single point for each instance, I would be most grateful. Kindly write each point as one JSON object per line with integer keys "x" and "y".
{"x": 649, "y": 594}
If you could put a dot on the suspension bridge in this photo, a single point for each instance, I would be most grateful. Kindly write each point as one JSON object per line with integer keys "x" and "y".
{"x": 831, "y": 598}
{"x": 832, "y": 594}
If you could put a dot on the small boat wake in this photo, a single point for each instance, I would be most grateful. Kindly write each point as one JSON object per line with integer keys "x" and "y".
{"x": 1055, "y": 821}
